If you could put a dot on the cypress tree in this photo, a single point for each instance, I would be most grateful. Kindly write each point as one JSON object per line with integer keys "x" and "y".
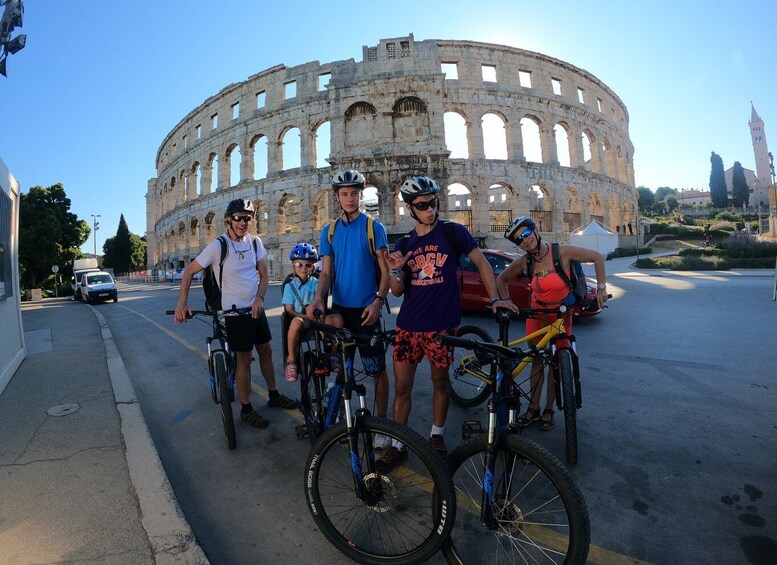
{"x": 718, "y": 190}
{"x": 740, "y": 193}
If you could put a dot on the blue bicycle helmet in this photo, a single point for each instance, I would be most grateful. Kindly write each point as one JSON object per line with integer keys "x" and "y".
{"x": 303, "y": 251}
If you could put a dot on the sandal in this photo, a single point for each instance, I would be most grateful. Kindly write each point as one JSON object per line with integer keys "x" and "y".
{"x": 546, "y": 424}
{"x": 531, "y": 415}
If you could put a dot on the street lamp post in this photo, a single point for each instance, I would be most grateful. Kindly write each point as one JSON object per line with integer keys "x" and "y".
{"x": 95, "y": 227}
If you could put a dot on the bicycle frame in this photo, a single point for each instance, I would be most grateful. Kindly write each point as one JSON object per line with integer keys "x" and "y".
{"x": 219, "y": 336}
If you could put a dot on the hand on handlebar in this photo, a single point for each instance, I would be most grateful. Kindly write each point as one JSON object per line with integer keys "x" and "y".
{"x": 504, "y": 304}
{"x": 182, "y": 313}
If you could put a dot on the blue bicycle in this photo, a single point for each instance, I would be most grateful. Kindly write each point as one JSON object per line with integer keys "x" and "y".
{"x": 399, "y": 516}
{"x": 221, "y": 366}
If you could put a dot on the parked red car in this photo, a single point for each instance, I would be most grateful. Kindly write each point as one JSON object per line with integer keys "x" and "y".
{"x": 474, "y": 297}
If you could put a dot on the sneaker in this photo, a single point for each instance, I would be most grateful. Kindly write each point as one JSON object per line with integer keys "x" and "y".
{"x": 390, "y": 459}
{"x": 438, "y": 443}
{"x": 291, "y": 371}
{"x": 254, "y": 419}
{"x": 283, "y": 401}
{"x": 380, "y": 441}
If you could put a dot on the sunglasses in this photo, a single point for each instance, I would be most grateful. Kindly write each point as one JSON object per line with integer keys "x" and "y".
{"x": 423, "y": 206}
{"x": 300, "y": 265}
{"x": 241, "y": 218}
{"x": 523, "y": 235}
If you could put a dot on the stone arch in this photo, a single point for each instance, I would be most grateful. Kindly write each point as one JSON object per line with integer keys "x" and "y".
{"x": 530, "y": 137}
{"x": 194, "y": 233}
{"x": 410, "y": 120}
{"x": 562, "y": 136}
{"x": 596, "y": 208}
{"x": 500, "y": 208}
{"x": 233, "y": 162}
{"x": 494, "y": 129}
{"x": 587, "y": 141}
{"x": 322, "y": 146}
{"x": 460, "y": 199}
{"x": 260, "y": 217}
{"x": 210, "y": 229}
{"x": 290, "y": 154}
{"x": 324, "y": 205}
{"x": 572, "y": 210}
{"x": 456, "y": 134}
{"x": 260, "y": 150}
{"x": 289, "y": 214}
{"x": 360, "y": 125}
{"x": 541, "y": 206}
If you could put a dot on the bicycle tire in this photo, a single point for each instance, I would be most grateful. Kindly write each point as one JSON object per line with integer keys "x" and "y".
{"x": 413, "y": 510}
{"x": 467, "y": 390}
{"x": 544, "y": 519}
{"x": 225, "y": 394}
{"x": 312, "y": 397}
{"x": 569, "y": 403}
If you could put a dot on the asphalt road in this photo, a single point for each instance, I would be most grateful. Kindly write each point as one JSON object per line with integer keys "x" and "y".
{"x": 676, "y": 435}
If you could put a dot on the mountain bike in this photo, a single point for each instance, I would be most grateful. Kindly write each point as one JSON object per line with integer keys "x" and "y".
{"x": 554, "y": 348}
{"x": 221, "y": 365}
{"x": 400, "y": 516}
{"x": 517, "y": 503}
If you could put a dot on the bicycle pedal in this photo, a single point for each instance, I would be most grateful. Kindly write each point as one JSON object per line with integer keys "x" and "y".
{"x": 471, "y": 428}
{"x": 302, "y": 431}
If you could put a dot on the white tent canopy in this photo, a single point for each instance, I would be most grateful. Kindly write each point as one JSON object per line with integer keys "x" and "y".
{"x": 595, "y": 236}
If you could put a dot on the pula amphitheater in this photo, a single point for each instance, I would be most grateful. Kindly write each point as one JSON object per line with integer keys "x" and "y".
{"x": 505, "y": 131}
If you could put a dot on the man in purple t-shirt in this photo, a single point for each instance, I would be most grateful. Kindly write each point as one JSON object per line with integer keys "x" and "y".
{"x": 426, "y": 275}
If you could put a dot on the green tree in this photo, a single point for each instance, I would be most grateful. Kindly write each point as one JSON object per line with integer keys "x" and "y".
{"x": 124, "y": 252}
{"x": 663, "y": 191}
{"x": 49, "y": 234}
{"x": 718, "y": 190}
{"x": 740, "y": 193}
{"x": 645, "y": 198}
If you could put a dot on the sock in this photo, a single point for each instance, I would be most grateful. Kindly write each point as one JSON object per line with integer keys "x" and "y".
{"x": 274, "y": 393}
{"x": 438, "y": 431}
{"x": 246, "y": 408}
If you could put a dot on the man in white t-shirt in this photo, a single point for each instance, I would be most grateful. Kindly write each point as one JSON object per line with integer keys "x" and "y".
{"x": 243, "y": 285}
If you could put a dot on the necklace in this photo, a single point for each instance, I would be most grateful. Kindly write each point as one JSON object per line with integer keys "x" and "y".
{"x": 538, "y": 258}
{"x": 240, "y": 253}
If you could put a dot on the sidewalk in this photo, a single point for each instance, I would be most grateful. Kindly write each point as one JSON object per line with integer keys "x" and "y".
{"x": 80, "y": 478}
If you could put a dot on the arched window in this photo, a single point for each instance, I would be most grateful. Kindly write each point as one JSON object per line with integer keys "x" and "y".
{"x": 291, "y": 149}
{"x": 456, "y": 135}
{"x": 460, "y": 204}
{"x": 370, "y": 202}
{"x": 259, "y": 145}
{"x": 494, "y": 136}
{"x": 235, "y": 159}
{"x": 323, "y": 144}
{"x": 530, "y": 134}
{"x": 360, "y": 128}
{"x": 561, "y": 136}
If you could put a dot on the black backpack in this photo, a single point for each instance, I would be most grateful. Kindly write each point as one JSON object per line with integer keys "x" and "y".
{"x": 576, "y": 283}
{"x": 212, "y": 285}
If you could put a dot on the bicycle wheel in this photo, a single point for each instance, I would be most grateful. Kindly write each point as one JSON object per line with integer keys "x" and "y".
{"x": 225, "y": 395}
{"x": 540, "y": 513}
{"x": 470, "y": 378}
{"x": 569, "y": 401}
{"x": 312, "y": 395}
{"x": 404, "y": 516}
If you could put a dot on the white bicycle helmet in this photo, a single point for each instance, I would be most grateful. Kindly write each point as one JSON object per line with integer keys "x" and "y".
{"x": 348, "y": 177}
{"x": 418, "y": 186}
{"x": 516, "y": 225}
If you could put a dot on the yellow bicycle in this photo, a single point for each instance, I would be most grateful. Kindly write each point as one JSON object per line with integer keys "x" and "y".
{"x": 550, "y": 345}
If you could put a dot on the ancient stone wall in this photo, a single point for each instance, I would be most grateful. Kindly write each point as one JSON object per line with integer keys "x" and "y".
{"x": 563, "y": 153}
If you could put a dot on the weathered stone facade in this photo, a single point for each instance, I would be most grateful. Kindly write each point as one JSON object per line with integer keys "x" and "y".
{"x": 386, "y": 117}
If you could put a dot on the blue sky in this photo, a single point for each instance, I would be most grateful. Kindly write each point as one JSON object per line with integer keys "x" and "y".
{"x": 101, "y": 82}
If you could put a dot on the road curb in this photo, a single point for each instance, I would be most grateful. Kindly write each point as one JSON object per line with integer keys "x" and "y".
{"x": 169, "y": 533}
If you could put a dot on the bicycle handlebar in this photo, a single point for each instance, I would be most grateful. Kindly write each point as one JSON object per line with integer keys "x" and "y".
{"x": 345, "y": 335}
{"x": 239, "y": 311}
{"x": 480, "y": 346}
{"x": 585, "y": 306}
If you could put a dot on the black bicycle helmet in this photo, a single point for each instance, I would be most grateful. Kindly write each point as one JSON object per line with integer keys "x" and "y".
{"x": 303, "y": 251}
{"x": 348, "y": 177}
{"x": 516, "y": 225}
{"x": 239, "y": 205}
{"x": 418, "y": 186}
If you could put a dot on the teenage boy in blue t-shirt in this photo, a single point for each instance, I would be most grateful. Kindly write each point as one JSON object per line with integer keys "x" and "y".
{"x": 347, "y": 268}
{"x": 426, "y": 275}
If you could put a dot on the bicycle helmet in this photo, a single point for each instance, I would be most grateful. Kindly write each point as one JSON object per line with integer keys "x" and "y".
{"x": 418, "y": 186}
{"x": 303, "y": 251}
{"x": 516, "y": 225}
{"x": 348, "y": 177}
{"x": 239, "y": 205}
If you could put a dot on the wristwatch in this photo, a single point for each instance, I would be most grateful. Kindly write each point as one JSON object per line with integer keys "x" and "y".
{"x": 381, "y": 298}
{"x": 601, "y": 286}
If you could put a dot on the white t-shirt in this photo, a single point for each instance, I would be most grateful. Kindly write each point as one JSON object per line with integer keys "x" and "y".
{"x": 239, "y": 278}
